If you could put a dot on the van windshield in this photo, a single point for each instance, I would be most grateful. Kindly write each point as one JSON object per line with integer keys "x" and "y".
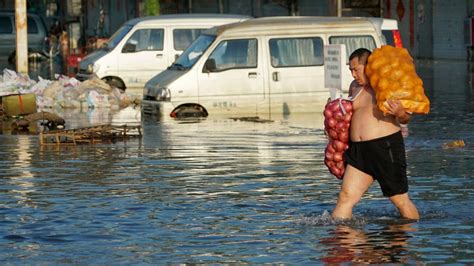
{"x": 118, "y": 36}
{"x": 190, "y": 56}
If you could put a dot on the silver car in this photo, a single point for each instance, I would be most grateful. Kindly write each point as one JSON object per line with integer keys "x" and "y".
{"x": 36, "y": 33}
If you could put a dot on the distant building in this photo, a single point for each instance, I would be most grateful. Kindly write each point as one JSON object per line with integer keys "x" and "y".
{"x": 429, "y": 28}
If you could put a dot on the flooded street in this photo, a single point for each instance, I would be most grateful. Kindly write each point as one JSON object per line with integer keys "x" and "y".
{"x": 224, "y": 191}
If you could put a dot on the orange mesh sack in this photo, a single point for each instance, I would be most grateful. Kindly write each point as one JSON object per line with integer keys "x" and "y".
{"x": 392, "y": 74}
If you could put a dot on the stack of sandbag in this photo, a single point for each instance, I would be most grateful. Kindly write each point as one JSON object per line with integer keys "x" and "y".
{"x": 337, "y": 121}
{"x": 392, "y": 75}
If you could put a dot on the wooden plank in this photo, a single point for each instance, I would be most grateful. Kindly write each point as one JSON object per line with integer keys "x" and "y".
{"x": 91, "y": 135}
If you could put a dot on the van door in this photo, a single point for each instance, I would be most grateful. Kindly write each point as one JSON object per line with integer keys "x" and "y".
{"x": 142, "y": 57}
{"x": 296, "y": 73}
{"x": 232, "y": 78}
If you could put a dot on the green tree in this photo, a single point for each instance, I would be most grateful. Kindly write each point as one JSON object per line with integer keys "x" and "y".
{"x": 152, "y": 7}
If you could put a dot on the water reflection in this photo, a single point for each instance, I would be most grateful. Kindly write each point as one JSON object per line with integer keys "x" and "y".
{"x": 78, "y": 118}
{"x": 386, "y": 244}
{"x": 220, "y": 191}
{"x": 22, "y": 183}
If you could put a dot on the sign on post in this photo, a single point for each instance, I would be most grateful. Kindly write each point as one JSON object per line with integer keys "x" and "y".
{"x": 334, "y": 61}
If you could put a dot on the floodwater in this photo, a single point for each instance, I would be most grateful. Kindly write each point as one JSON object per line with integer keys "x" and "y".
{"x": 230, "y": 191}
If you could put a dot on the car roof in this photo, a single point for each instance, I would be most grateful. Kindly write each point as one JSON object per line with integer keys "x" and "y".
{"x": 12, "y": 13}
{"x": 177, "y": 19}
{"x": 294, "y": 24}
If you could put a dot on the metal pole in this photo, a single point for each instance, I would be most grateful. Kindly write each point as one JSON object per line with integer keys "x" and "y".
{"x": 339, "y": 8}
{"x": 21, "y": 37}
{"x": 221, "y": 7}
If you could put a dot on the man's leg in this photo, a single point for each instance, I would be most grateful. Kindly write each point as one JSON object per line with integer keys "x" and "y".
{"x": 405, "y": 206}
{"x": 354, "y": 184}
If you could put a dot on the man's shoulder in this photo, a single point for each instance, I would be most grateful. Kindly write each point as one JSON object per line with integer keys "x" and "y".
{"x": 354, "y": 87}
{"x": 354, "y": 83}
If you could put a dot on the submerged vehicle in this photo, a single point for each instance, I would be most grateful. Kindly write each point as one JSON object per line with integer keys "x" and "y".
{"x": 259, "y": 67}
{"x": 143, "y": 47}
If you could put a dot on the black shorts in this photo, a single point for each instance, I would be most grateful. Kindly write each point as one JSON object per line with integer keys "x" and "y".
{"x": 384, "y": 160}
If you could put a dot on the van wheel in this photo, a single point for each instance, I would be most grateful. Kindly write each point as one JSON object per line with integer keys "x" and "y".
{"x": 189, "y": 111}
{"x": 115, "y": 83}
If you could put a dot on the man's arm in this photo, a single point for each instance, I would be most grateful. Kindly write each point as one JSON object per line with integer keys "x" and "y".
{"x": 396, "y": 109}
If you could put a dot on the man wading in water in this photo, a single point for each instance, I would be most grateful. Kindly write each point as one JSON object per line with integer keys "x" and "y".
{"x": 376, "y": 150}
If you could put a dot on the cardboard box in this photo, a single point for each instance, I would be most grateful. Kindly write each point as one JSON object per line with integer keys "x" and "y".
{"x": 19, "y": 104}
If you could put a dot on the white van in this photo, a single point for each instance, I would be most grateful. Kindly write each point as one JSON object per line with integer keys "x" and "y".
{"x": 143, "y": 47}
{"x": 259, "y": 67}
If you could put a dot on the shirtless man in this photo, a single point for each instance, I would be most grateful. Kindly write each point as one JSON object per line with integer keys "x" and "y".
{"x": 377, "y": 150}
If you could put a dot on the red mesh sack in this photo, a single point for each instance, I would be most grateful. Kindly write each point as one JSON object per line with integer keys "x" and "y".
{"x": 337, "y": 121}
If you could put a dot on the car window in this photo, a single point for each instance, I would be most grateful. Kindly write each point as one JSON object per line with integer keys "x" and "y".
{"x": 32, "y": 26}
{"x": 147, "y": 40}
{"x": 233, "y": 54}
{"x": 118, "y": 36}
{"x": 182, "y": 38}
{"x": 295, "y": 52}
{"x": 6, "y": 26}
{"x": 354, "y": 42}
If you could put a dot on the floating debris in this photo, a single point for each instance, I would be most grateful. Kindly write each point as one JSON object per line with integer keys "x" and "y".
{"x": 252, "y": 119}
{"x": 454, "y": 144}
{"x": 48, "y": 119}
{"x": 89, "y": 135}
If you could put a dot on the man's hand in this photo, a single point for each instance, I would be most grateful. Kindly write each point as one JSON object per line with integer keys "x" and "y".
{"x": 395, "y": 108}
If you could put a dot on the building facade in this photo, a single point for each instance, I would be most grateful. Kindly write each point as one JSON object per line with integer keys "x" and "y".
{"x": 433, "y": 29}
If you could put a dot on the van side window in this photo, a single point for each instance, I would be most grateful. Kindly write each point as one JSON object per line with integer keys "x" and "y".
{"x": 147, "y": 40}
{"x": 6, "y": 26}
{"x": 354, "y": 42}
{"x": 232, "y": 54}
{"x": 32, "y": 27}
{"x": 182, "y": 38}
{"x": 295, "y": 52}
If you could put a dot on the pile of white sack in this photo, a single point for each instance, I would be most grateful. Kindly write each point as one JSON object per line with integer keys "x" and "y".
{"x": 64, "y": 92}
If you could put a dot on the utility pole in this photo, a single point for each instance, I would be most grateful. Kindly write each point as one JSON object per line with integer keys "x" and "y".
{"x": 339, "y": 8}
{"x": 21, "y": 37}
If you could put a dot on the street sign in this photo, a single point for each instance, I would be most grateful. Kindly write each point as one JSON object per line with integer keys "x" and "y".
{"x": 334, "y": 61}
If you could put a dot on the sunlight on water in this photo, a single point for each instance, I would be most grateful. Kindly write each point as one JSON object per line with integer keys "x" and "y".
{"x": 220, "y": 190}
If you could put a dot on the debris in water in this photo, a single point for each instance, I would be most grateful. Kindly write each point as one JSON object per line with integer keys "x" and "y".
{"x": 91, "y": 135}
{"x": 454, "y": 144}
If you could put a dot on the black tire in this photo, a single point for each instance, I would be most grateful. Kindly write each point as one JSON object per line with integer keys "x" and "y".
{"x": 115, "y": 83}
{"x": 51, "y": 47}
{"x": 189, "y": 111}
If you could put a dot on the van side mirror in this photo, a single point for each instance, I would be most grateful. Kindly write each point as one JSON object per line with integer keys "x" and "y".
{"x": 210, "y": 65}
{"x": 129, "y": 48}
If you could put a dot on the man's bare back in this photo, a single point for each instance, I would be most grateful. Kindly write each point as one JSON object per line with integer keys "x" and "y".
{"x": 368, "y": 122}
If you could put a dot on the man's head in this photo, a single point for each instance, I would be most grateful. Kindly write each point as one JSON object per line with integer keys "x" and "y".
{"x": 357, "y": 63}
